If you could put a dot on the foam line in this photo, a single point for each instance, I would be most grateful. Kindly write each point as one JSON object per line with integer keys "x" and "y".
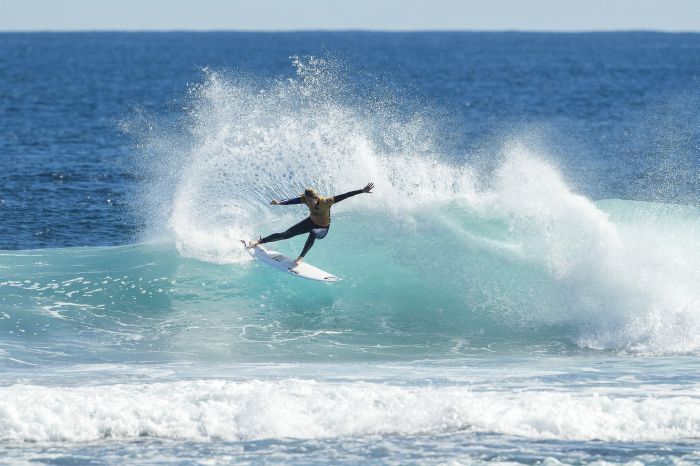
{"x": 219, "y": 409}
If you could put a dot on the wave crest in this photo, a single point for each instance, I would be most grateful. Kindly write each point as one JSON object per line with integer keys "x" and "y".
{"x": 513, "y": 245}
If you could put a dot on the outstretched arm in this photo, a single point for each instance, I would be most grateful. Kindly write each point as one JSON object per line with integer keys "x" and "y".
{"x": 294, "y": 200}
{"x": 366, "y": 189}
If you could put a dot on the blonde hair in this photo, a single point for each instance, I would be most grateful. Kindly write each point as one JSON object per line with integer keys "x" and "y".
{"x": 311, "y": 192}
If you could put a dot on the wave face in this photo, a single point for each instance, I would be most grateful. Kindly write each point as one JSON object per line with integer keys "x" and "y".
{"x": 614, "y": 275}
{"x": 443, "y": 258}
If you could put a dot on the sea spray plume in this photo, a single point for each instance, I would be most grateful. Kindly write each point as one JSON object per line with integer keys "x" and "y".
{"x": 525, "y": 252}
{"x": 257, "y": 142}
{"x": 160, "y": 147}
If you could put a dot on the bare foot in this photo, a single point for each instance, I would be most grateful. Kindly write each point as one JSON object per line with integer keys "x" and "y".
{"x": 252, "y": 243}
{"x": 298, "y": 261}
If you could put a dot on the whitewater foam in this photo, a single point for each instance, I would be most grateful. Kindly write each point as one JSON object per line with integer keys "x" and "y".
{"x": 247, "y": 410}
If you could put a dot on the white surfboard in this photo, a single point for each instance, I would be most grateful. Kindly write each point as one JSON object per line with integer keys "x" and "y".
{"x": 281, "y": 262}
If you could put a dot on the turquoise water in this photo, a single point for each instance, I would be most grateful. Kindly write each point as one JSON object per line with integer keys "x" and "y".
{"x": 138, "y": 354}
{"x": 521, "y": 287}
{"x": 498, "y": 287}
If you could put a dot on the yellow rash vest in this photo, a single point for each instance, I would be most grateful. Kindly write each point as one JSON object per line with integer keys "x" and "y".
{"x": 320, "y": 213}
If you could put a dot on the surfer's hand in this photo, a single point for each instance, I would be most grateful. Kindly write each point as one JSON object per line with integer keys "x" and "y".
{"x": 368, "y": 188}
{"x": 274, "y": 202}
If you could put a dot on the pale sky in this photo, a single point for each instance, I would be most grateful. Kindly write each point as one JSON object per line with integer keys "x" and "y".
{"x": 388, "y": 15}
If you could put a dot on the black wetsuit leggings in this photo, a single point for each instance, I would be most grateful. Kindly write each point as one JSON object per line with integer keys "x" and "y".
{"x": 305, "y": 226}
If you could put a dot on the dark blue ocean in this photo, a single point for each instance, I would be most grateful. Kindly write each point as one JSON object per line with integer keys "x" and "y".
{"x": 521, "y": 287}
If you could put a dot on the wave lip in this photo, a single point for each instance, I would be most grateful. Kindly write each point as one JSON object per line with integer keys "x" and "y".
{"x": 308, "y": 409}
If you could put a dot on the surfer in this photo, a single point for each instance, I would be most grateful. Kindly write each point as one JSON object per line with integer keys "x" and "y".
{"x": 316, "y": 224}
